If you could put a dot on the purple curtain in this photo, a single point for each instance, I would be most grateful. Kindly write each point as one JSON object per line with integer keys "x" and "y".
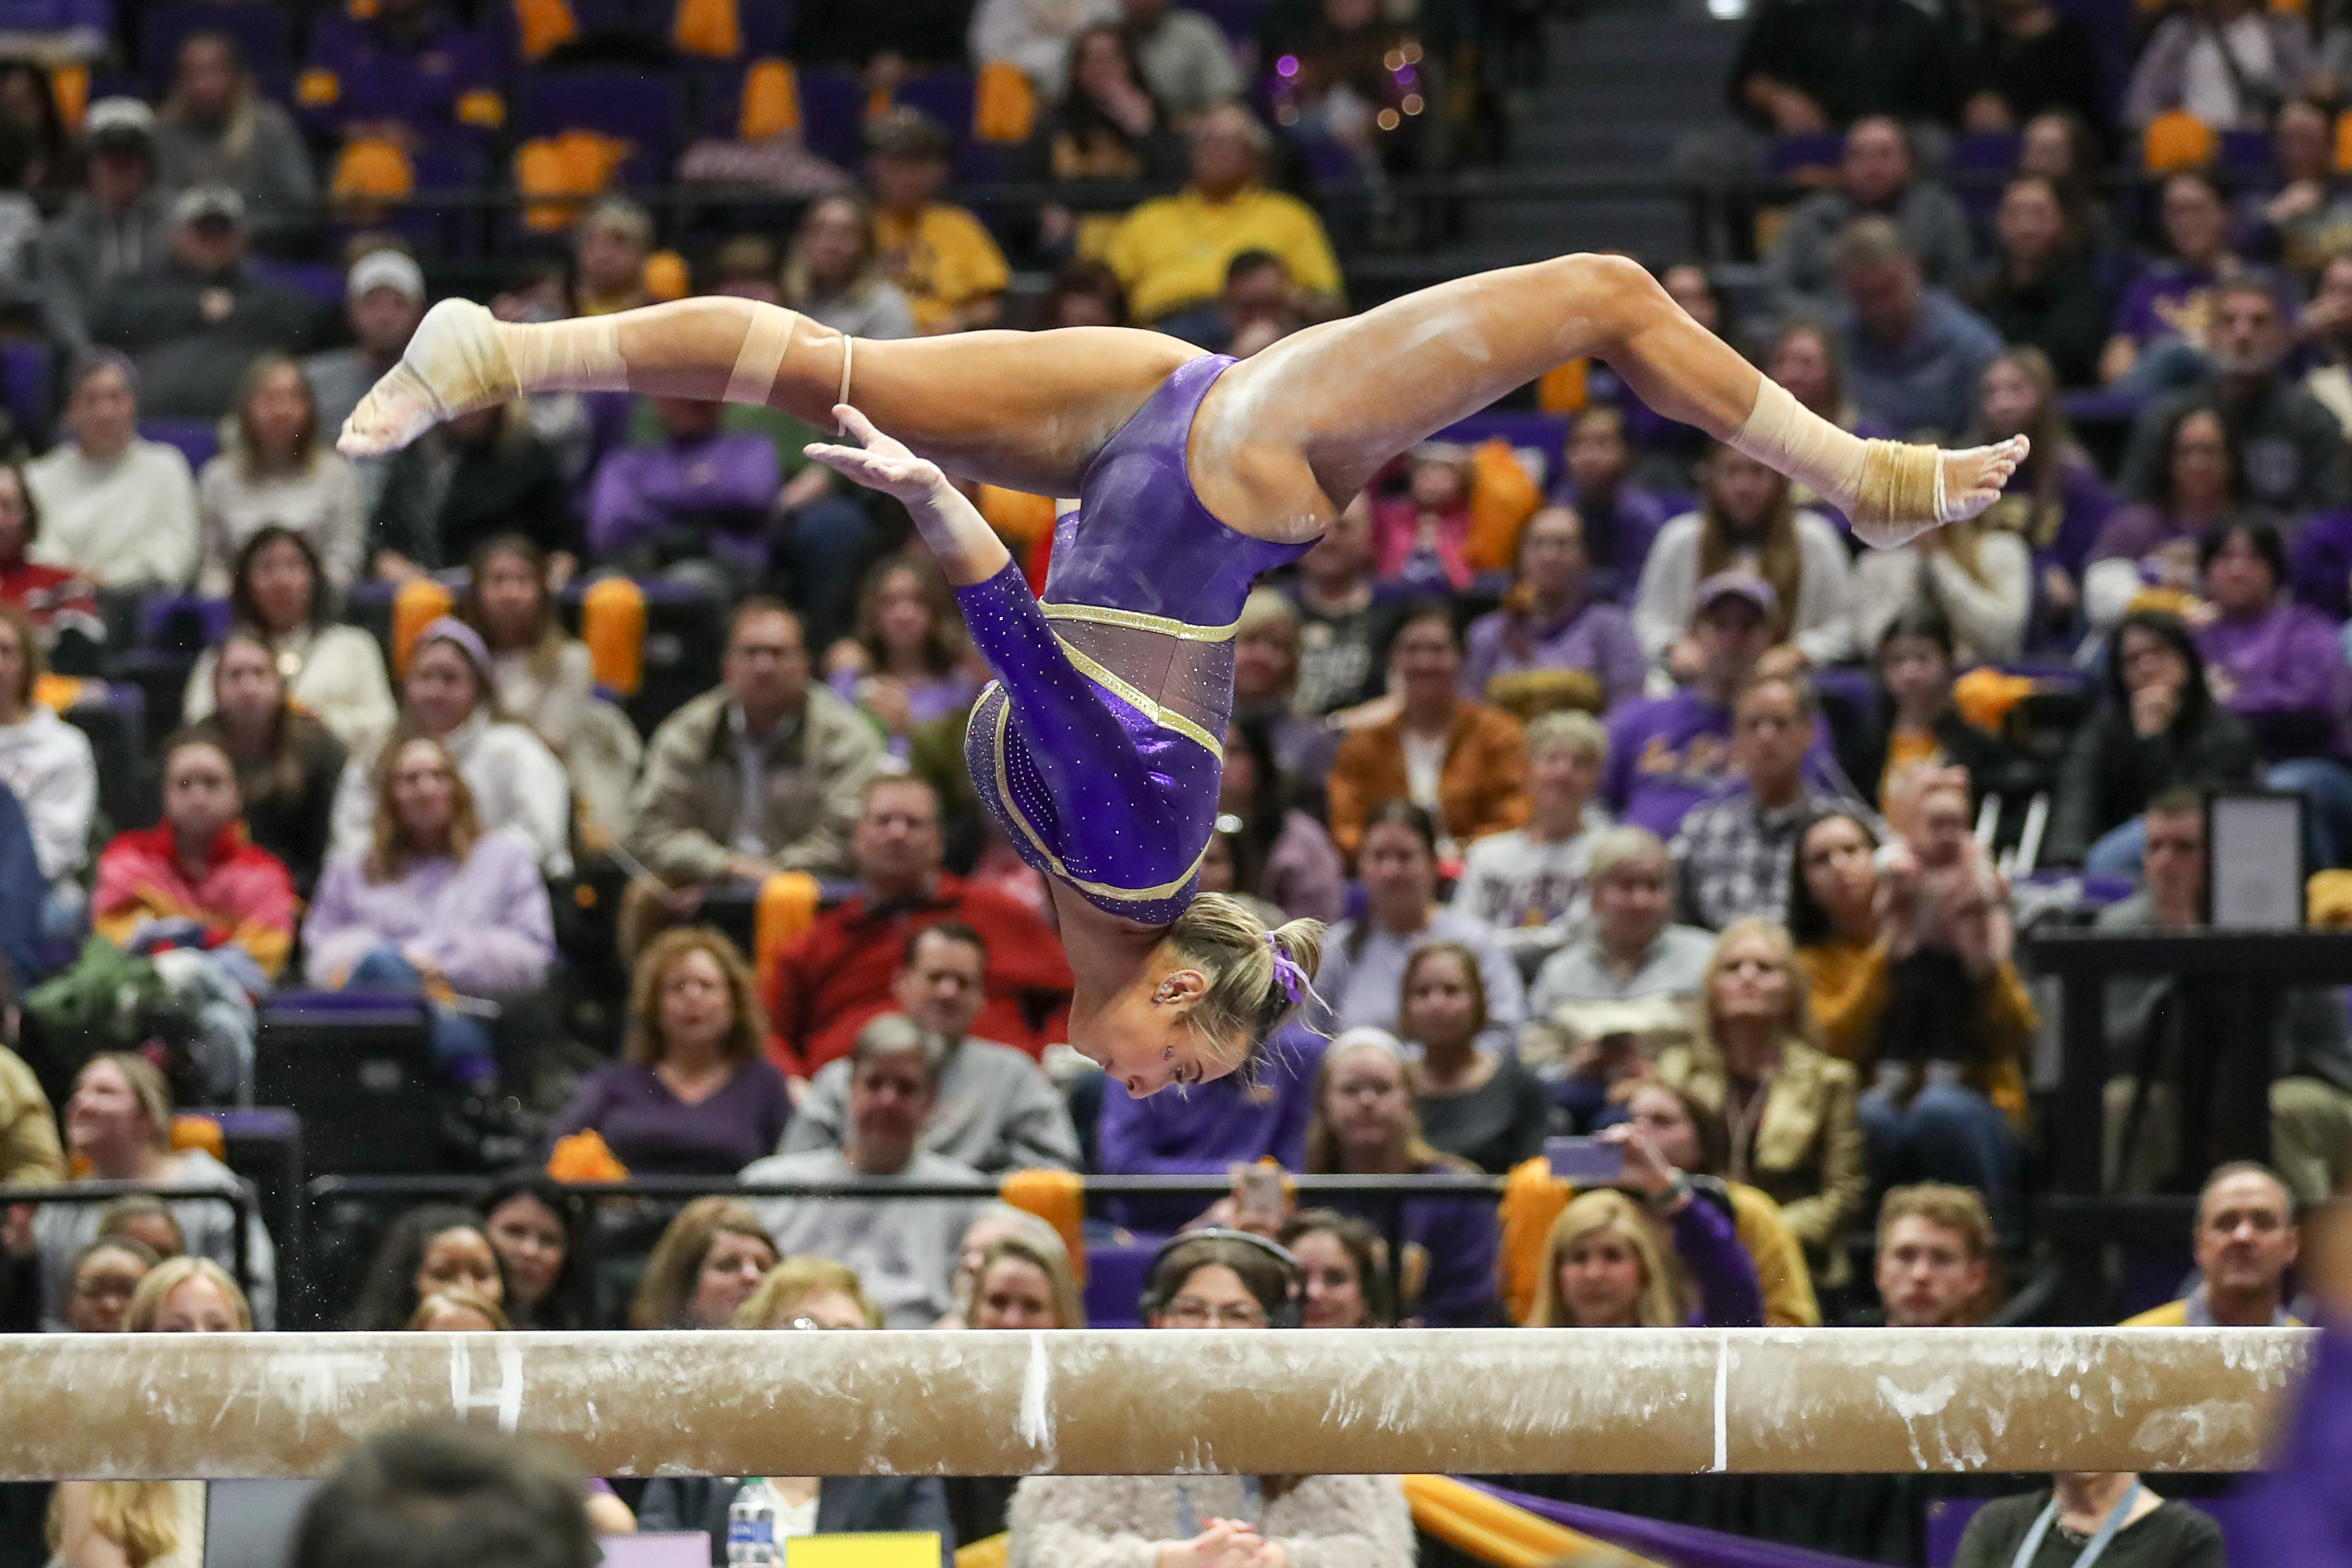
{"x": 1676, "y": 1545}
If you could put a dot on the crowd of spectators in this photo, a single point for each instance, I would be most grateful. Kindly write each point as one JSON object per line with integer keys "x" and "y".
{"x": 1644, "y": 803}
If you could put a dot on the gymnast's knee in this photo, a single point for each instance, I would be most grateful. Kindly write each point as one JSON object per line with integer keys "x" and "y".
{"x": 1616, "y": 293}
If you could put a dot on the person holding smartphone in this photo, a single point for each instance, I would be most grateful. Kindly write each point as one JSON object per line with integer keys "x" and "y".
{"x": 1655, "y": 1249}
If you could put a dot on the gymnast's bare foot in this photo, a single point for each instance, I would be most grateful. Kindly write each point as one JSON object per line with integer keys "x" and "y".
{"x": 1973, "y": 479}
{"x": 454, "y": 364}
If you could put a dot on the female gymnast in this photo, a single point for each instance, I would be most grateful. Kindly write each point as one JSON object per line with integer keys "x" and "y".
{"x": 1100, "y": 747}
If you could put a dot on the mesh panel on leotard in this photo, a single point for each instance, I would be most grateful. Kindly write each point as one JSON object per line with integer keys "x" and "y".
{"x": 1190, "y": 682}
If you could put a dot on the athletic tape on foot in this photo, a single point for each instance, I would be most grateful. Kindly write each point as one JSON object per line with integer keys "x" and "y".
{"x": 762, "y": 354}
{"x": 848, "y": 348}
{"x": 582, "y": 355}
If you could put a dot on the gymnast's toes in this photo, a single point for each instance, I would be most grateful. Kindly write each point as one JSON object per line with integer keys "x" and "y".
{"x": 1973, "y": 479}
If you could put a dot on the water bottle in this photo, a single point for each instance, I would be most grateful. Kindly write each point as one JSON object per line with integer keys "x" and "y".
{"x": 751, "y": 1527}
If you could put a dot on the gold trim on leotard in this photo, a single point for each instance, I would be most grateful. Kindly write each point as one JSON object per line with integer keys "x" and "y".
{"x": 999, "y": 717}
{"x": 1165, "y": 717}
{"x": 1138, "y": 621}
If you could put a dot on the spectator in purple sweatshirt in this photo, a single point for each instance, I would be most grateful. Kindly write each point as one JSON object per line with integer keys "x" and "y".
{"x": 695, "y": 1095}
{"x": 2280, "y": 666}
{"x": 1619, "y": 517}
{"x": 717, "y": 497}
{"x": 434, "y": 903}
{"x": 702, "y": 492}
{"x": 1259, "y": 1113}
{"x": 1552, "y": 619}
{"x": 1364, "y": 1125}
{"x": 1670, "y": 753}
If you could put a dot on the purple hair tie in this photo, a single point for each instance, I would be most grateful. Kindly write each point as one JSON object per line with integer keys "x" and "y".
{"x": 1286, "y": 972}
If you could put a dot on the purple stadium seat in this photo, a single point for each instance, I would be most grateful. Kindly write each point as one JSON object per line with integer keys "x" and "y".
{"x": 1115, "y": 1277}
{"x": 28, "y": 385}
{"x": 1238, "y": 18}
{"x": 1790, "y": 155}
{"x": 644, "y": 107}
{"x": 323, "y": 281}
{"x": 1544, "y": 433}
{"x": 832, "y": 117}
{"x": 2244, "y": 152}
{"x": 190, "y": 622}
{"x": 197, "y": 438}
{"x": 945, "y": 96}
{"x": 264, "y": 35}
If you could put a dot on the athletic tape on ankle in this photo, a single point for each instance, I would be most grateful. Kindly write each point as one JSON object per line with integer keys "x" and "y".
{"x": 1876, "y": 484}
{"x": 583, "y": 355}
{"x": 848, "y": 349}
{"x": 765, "y": 343}
{"x": 1782, "y": 434}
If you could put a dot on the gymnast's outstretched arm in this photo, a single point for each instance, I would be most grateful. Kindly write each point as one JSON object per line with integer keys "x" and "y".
{"x": 1348, "y": 395}
{"x": 1026, "y": 410}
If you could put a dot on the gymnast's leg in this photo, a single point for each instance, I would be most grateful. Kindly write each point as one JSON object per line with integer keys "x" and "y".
{"x": 1286, "y": 438}
{"x": 1023, "y": 409}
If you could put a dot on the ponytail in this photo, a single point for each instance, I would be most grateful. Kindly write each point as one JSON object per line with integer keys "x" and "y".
{"x": 1257, "y": 978}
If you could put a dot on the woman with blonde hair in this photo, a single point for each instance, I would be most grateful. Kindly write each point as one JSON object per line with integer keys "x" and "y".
{"x": 1364, "y": 1124}
{"x": 1790, "y": 1107}
{"x": 1657, "y": 1250}
{"x": 807, "y": 1294}
{"x": 706, "y": 1265}
{"x": 118, "y": 1121}
{"x": 1747, "y": 522}
{"x": 434, "y": 905}
{"x": 908, "y": 662}
{"x": 834, "y": 272}
{"x": 276, "y": 469}
{"x": 149, "y": 1524}
{"x": 695, "y": 1094}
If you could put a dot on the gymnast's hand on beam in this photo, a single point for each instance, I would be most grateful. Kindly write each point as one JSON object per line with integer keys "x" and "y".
{"x": 968, "y": 549}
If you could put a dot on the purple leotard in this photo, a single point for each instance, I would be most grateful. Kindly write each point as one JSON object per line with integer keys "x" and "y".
{"x": 1099, "y": 747}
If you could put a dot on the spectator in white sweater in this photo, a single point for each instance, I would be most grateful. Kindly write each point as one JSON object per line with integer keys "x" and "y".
{"x": 278, "y": 591}
{"x": 48, "y": 763}
{"x": 117, "y": 508}
{"x": 1981, "y": 578}
{"x": 276, "y": 470}
{"x": 450, "y": 695}
{"x": 1745, "y": 522}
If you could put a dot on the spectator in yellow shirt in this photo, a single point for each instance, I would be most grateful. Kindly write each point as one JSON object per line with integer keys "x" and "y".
{"x": 1172, "y": 253}
{"x": 938, "y": 254}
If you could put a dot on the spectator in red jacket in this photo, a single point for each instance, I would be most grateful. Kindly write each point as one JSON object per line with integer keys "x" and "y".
{"x": 838, "y": 975}
{"x": 215, "y": 912}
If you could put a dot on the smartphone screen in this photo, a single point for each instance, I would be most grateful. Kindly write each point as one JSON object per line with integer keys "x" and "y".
{"x": 1585, "y": 1162}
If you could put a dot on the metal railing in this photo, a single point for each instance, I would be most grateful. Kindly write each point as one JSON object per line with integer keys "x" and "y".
{"x": 1391, "y": 1194}
{"x": 243, "y": 1202}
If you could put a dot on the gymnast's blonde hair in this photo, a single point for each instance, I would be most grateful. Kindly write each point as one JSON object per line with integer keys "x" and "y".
{"x": 1233, "y": 947}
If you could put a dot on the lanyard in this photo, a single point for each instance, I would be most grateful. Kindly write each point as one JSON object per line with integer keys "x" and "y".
{"x": 2098, "y": 1542}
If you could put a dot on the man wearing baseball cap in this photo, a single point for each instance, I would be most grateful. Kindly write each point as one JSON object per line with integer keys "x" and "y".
{"x": 117, "y": 225}
{"x": 383, "y": 299}
{"x": 192, "y": 328}
{"x": 939, "y": 255}
{"x": 1668, "y": 755}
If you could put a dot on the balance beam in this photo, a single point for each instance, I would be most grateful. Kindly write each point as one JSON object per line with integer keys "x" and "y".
{"x": 1116, "y": 1402}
